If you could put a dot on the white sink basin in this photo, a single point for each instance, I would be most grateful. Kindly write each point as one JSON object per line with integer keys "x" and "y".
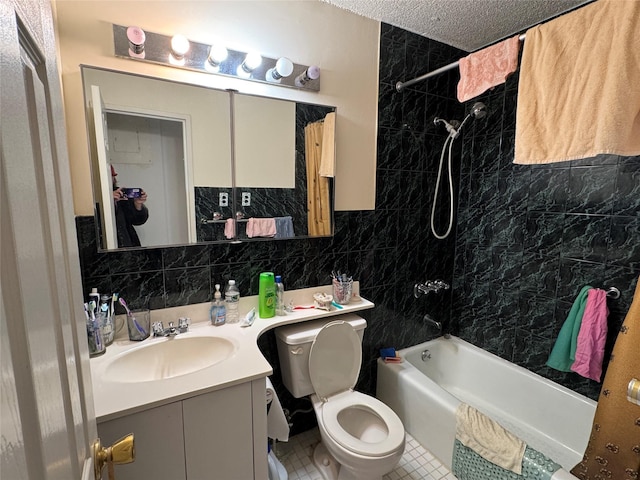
{"x": 168, "y": 357}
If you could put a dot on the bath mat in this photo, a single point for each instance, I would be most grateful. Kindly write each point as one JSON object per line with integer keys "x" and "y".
{"x": 468, "y": 465}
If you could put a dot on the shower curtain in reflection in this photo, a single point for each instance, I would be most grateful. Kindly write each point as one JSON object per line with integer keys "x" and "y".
{"x": 318, "y": 204}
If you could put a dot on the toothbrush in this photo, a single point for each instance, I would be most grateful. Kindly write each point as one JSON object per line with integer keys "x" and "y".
{"x": 124, "y": 304}
{"x": 129, "y": 314}
{"x": 114, "y": 299}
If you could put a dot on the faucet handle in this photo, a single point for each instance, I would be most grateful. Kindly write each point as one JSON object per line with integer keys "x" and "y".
{"x": 183, "y": 324}
{"x": 441, "y": 285}
{"x": 429, "y": 286}
{"x": 158, "y": 329}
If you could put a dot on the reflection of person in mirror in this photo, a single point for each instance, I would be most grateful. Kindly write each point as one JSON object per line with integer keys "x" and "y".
{"x": 130, "y": 210}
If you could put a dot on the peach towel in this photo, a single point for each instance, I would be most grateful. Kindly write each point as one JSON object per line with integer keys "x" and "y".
{"x": 487, "y": 68}
{"x": 578, "y": 93}
{"x": 261, "y": 227}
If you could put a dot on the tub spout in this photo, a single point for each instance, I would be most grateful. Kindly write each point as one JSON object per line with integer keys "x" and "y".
{"x": 428, "y": 319}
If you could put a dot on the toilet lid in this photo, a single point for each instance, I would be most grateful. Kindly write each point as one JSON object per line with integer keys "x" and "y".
{"x": 334, "y": 359}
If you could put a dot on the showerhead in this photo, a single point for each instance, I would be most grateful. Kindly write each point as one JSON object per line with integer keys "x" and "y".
{"x": 450, "y": 126}
{"x": 479, "y": 110}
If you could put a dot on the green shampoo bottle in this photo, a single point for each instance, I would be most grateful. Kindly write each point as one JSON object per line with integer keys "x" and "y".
{"x": 267, "y": 295}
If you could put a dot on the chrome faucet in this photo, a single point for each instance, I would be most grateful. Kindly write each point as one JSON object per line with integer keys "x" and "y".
{"x": 171, "y": 331}
{"x": 431, "y": 321}
{"x": 429, "y": 286}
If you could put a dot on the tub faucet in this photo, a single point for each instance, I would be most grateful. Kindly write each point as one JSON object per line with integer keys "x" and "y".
{"x": 429, "y": 286}
{"x": 431, "y": 321}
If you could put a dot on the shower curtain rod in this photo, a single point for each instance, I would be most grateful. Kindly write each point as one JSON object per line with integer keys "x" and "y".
{"x": 401, "y": 85}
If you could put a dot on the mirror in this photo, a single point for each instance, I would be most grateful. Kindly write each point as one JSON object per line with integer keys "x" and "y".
{"x": 213, "y": 166}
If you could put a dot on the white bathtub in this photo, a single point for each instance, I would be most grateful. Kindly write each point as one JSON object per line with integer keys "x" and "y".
{"x": 549, "y": 417}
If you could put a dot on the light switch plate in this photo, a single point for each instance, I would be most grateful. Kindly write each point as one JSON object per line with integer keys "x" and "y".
{"x": 223, "y": 199}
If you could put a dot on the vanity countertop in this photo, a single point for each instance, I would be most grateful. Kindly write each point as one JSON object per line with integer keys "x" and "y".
{"x": 116, "y": 397}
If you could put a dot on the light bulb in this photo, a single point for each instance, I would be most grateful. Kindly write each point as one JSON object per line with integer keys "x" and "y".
{"x": 283, "y": 68}
{"x": 251, "y": 62}
{"x": 179, "y": 48}
{"x": 217, "y": 55}
{"x": 136, "y": 37}
{"x": 311, "y": 73}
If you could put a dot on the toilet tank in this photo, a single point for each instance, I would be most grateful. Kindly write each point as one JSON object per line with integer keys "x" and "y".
{"x": 294, "y": 344}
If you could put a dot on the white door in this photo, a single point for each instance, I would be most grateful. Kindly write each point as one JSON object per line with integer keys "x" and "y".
{"x": 101, "y": 130}
{"x": 48, "y": 420}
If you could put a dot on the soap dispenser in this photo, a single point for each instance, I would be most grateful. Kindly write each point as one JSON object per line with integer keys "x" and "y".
{"x": 218, "y": 311}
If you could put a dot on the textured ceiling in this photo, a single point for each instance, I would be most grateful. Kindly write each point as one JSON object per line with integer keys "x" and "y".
{"x": 465, "y": 24}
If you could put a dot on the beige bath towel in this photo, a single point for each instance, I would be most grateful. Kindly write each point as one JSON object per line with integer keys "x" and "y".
{"x": 614, "y": 445}
{"x": 489, "y": 439}
{"x": 579, "y": 90}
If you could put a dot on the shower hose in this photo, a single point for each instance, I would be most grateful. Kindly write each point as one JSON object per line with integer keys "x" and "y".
{"x": 448, "y": 142}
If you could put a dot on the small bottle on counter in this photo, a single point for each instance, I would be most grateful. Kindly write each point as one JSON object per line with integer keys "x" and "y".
{"x": 218, "y": 311}
{"x": 232, "y": 300}
{"x": 280, "y": 296}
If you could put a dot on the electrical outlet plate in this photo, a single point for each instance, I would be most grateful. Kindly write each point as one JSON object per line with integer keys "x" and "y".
{"x": 223, "y": 199}
{"x": 246, "y": 199}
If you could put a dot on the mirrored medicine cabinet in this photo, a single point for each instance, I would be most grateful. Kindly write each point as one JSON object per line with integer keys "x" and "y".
{"x": 209, "y": 160}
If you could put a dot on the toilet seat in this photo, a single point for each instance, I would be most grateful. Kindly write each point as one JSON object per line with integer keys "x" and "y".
{"x": 334, "y": 365}
{"x": 356, "y": 400}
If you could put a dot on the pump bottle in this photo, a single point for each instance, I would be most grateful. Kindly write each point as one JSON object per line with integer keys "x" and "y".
{"x": 217, "y": 313}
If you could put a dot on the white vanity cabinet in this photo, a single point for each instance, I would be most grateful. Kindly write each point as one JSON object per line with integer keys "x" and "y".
{"x": 221, "y": 435}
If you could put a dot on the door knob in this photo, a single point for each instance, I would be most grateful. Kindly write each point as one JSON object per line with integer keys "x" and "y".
{"x": 122, "y": 451}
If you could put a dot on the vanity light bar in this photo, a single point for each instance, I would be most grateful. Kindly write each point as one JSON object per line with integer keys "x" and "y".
{"x": 135, "y": 44}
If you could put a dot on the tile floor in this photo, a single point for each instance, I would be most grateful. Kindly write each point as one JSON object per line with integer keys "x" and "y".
{"x": 416, "y": 463}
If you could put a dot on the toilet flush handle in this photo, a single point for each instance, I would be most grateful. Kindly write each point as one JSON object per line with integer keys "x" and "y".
{"x": 297, "y": 351}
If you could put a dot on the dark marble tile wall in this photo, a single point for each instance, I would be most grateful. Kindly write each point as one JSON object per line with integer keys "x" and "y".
{"x": 529, "y": 237}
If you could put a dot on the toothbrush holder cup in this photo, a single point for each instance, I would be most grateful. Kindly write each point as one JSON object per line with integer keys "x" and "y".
{"x": 342, "y": 291}
{"x": 139, "y": 324}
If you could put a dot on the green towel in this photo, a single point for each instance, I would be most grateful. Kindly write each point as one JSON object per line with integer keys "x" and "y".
{"x": 564, "y": 351}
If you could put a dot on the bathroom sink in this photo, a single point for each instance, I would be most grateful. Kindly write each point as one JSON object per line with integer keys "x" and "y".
{"x": 168, "y": 357}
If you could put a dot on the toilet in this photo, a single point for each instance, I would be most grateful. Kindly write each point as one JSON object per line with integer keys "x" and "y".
{"x": 361, "y": 437}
